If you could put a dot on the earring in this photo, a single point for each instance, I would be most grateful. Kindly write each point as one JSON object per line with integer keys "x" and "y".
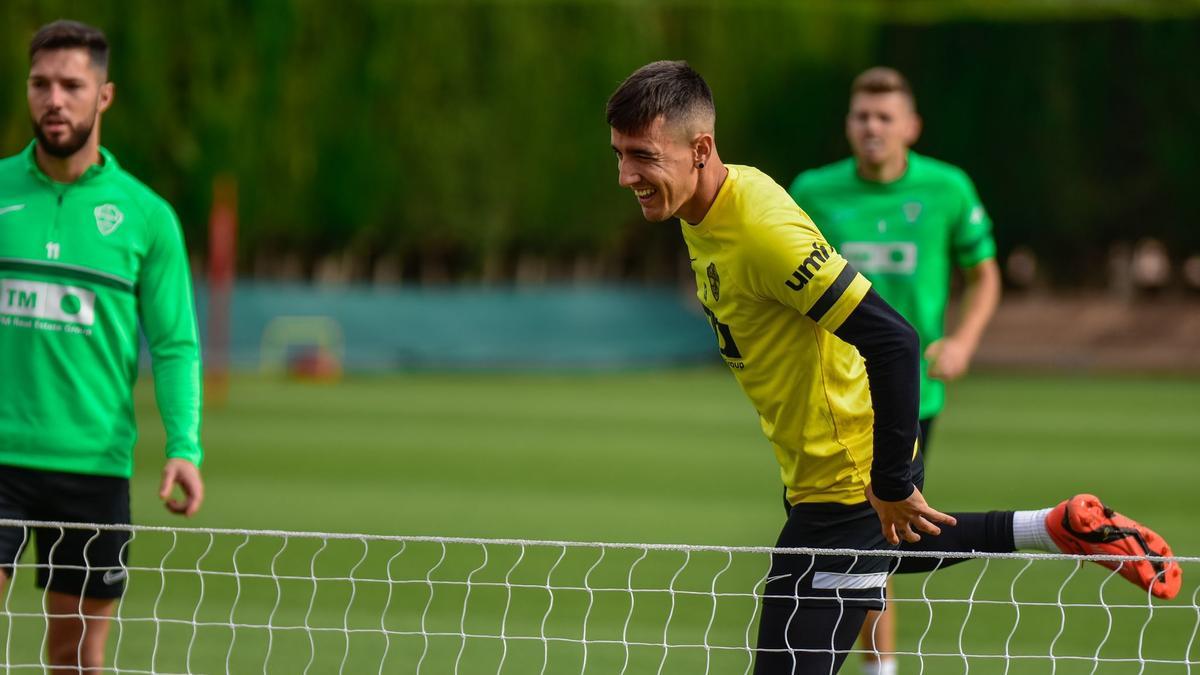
{"x": 700, "y": 165}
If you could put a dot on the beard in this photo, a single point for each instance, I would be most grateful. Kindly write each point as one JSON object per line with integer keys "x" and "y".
{"x": 75, "y": 140}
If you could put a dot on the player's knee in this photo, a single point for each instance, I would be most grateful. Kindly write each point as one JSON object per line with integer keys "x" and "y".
{"x": 65, "y": 652}
{"x": 70, "y": 644}
{"x": 73, "y": 654}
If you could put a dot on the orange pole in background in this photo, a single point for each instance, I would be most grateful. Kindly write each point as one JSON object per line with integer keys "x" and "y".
{"x": 222, "y": 268}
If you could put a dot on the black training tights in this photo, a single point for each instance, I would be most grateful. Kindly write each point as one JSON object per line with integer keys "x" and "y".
{"x": 814, "y": 640}
{"x": 817, "y": 640}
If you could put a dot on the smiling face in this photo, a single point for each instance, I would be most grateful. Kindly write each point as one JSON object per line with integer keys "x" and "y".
{"x": 659, "y": 164}
{"x": 881, "y": 127}
{"x": 66, "y": 96}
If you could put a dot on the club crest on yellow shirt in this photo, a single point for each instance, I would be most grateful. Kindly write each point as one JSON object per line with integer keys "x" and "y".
{"x": 714, "y": 281}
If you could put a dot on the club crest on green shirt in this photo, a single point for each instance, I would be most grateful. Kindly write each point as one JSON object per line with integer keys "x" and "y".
{"x": 108, "y": 218}
{"x": 714, "y": 281}
{"x": 912, "y": 211}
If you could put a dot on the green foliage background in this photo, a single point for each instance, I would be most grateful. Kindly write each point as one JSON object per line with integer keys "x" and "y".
{"x": 458, "y": 133}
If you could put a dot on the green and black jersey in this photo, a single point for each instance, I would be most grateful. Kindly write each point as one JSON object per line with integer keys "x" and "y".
{"x": 80, "y": 264}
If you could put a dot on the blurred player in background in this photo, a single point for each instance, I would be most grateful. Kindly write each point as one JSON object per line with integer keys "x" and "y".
{"x": 833, "y": 372}
{"x": 905, "y": 221}
{"x": 85, "y": 252}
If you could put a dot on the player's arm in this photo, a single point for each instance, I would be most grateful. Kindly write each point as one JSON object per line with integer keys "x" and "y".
{"x": 796, "y": 267}
{"x": 169, "y": 320}
{"x": 950, "y": 357}
{"x": 889, "y": 347}
{"x": 974, "y": 252}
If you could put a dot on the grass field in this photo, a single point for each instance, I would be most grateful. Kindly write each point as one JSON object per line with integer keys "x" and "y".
{"x": 661, "y": 457}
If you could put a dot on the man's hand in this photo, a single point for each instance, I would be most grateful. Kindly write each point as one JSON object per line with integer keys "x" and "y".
{"x": 902, "y": 519}
{"x": 187, "y": 476}
{"x": 948, "y": 358}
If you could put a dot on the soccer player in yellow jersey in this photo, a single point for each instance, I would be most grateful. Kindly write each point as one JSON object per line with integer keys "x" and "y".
{"x": 833, "y": 372}
{"x": 906, "y": 221}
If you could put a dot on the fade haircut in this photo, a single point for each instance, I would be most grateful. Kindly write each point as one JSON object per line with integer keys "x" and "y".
{"x": 883, "y": 80}
{"x": 670, "y": 89}
{"x": 66, "y": 34}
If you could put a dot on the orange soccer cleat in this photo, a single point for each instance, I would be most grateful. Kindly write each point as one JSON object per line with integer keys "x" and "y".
{"x": 1083, "y": 525}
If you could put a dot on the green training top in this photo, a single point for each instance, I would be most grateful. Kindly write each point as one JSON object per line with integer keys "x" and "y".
{"x": 903, "y": 236}
{"x": 79, "y": 264}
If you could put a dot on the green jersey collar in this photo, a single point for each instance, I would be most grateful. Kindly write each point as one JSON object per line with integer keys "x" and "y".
{"x": 899, "y": 182}
{"x": 107, "y": 165}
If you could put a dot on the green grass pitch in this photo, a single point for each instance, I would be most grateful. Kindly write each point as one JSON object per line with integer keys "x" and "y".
{"x": 658, "y": 457}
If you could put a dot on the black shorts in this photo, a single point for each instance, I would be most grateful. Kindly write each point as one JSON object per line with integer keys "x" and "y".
{"x": 77, "y": 561}
{"x": 824, "y": 580}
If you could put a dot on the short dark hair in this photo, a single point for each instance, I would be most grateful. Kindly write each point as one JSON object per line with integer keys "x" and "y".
{"x": 671, "y": 89}
{"x": 882, "y": 80}
{"x": 67, "y": 34}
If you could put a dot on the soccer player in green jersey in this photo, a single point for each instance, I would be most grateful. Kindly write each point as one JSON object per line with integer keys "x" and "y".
{"x": 905, "y": 221}
{"x": 832, "y": 371}
{"x": 85, "y": 252}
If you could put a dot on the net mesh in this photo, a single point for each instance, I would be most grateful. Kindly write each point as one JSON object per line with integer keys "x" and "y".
{"x": 238, "y": 601}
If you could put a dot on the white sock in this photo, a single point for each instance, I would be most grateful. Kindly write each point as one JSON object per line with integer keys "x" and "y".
{"x": 1029, "y": 531}
{"x": 885, "y": 666}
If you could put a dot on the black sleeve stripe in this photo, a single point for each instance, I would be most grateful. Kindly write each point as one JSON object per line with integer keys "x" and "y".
{"x": 831, "y": 295}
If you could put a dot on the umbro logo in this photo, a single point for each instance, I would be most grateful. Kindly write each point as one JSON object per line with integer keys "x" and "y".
{"x": 11, "y": 208}
{"x": 808, "y": 267}
{"x": 114, "y": 576}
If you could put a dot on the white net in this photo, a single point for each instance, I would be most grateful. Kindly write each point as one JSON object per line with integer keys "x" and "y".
{"x": 236, "y": 601}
